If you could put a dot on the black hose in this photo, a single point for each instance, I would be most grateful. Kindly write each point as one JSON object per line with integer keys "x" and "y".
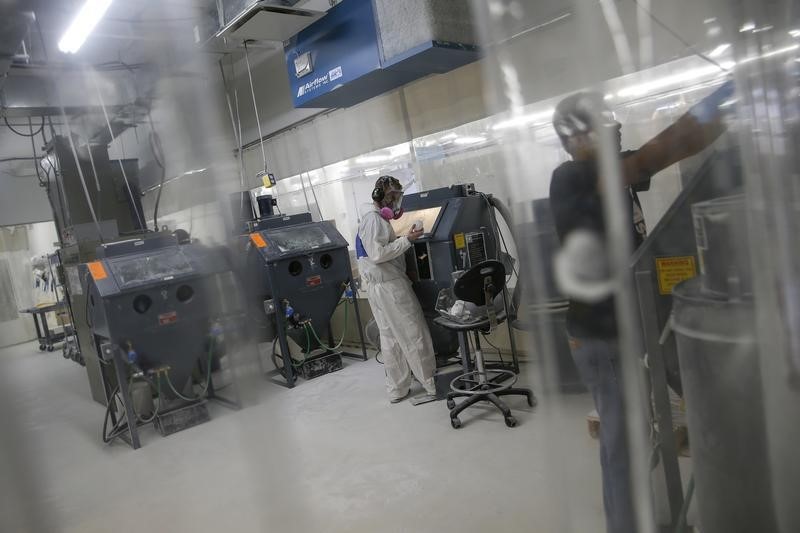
{"x": 119, "y": 427}
{"x": 9, "y": 159}
{"x": 21, "y": 134}
{"x": 155, "y": 147}
{"x": 33, "y": 149}
{"x": 499, "y": 352}
{"x": 505, "y": 212}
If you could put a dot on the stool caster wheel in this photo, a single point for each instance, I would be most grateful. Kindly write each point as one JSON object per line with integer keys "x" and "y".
{"x": 511, "y": 421}
{"x": 532, "y": 401}
{"x": 41, "y": 347}
{"x": 50, "y": 348}
{"x": 451, "y": 404}
{"x": 455, "y": 422}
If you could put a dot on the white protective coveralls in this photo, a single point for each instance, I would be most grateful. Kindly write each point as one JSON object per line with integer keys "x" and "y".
{"x": 406, "y": 343}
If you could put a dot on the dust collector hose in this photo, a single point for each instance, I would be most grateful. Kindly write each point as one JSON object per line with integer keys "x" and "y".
{"x": 505, "y": 212}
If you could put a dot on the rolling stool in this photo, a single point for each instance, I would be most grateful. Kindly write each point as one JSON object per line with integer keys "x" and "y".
{"x": 479, "y": 286}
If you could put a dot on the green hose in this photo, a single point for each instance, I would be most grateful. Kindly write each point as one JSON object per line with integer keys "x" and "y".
{"x": 208, "y": 379}
{"x": 316, "y": 337}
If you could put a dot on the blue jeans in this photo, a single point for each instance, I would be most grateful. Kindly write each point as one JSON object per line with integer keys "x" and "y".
{"x": 597, "y": 362}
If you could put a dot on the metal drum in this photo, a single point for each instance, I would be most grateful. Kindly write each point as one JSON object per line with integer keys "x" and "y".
{"x": 720, "y": 227}
{"x": 719, "y": 365}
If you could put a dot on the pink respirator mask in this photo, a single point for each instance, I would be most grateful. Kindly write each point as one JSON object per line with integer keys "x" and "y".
{"x": 394, "y": 212}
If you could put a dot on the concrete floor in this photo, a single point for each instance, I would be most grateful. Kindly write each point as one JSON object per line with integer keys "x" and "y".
{"x": 331, "y": 455}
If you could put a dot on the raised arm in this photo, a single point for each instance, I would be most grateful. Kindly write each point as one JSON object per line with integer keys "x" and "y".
{"x": 690, "y": 134}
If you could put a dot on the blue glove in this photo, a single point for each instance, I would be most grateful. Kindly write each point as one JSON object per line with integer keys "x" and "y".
{"x": 707, "y": 109}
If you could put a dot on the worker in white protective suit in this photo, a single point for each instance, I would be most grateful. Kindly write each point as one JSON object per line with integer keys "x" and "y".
{"x": 406, "y": 343}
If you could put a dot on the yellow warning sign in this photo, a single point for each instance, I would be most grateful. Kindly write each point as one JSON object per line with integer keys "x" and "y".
{"x": 673, "y": 270}
{"x": 459, "y": 241}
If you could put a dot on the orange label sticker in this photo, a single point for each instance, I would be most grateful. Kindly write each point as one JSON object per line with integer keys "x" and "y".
{"x": 97, "y": 270}
{"x": 258, "y": 240}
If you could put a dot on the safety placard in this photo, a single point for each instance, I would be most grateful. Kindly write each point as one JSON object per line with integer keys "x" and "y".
{"x": 673, "y": 270}
{"x": 258, "y": 240}
{"x": 460, "y": 241}
{"x": 97, "y": 270}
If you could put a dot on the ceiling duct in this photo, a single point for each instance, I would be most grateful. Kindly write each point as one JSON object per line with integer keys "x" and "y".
{"x": 244, "y": 20}
{"x": 36, "y": 93}
{"x": 363, "y": 48}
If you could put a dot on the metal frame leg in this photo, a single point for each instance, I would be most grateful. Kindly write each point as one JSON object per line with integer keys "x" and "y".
{"x": 663, "y": 410}
{"x": 211, "y": 393}
{"x": 38, "y": 330}
{"x": 463, "y": 347}
{"x": 120, "y": 368}
{"x": 479, "y": 366}
{"x": 512, "y": 341}
{"x": 48, "y": 342}
{"x": 358, "y": 319}
{"x": 288, "y": 369}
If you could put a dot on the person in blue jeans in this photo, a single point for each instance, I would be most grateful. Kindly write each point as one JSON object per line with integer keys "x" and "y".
{"x": 581, "y": 266}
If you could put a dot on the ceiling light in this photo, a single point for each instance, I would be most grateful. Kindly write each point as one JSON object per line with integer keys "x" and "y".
{"x": 82, "y": 25}
{"x": 369, "y": 159}
{"x": 719, "y": 50}
{"x": 400, "y": 149}
{"x": 469, "y": 140}
{"x": 608, "y": 96}
{"x": 667, "y": 81}
{"x": 542, "y": 117}
{"x": 794, "y": 33}
{"x": 770, "y": 54}
{"x": 748, "y": 26}
{"x": 448, "y": 137}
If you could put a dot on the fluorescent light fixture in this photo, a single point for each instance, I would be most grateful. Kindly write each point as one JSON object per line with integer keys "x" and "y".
{"x": 770, "y": 54}
{"x": 372, "y": 172}
{"x": 448, "y": 137}
{"x": 608, "y": 96}
{"x": 669, "y": 106}
{"x": 709, "y": 72}
{"x": 748, "y": 26}
{"x": 469, "y": 140}
{"x": 369, "y": 159}
{"x": 196, "y": 171}
{"x": 794, "y": 33}
{"x": 400, "y": 149}
{"x": 719, "y": 50}
{"x": 667, "y": 81}
{"x": 82, "y": 25}
{"x": 543, "y": 117}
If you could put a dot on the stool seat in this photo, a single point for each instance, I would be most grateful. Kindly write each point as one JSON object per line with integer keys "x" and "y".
{"x": 457, "y": 325}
